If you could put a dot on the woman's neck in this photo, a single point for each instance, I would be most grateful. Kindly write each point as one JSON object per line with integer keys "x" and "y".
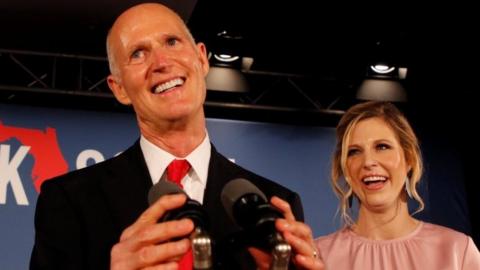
{"x": 388, "y": 224}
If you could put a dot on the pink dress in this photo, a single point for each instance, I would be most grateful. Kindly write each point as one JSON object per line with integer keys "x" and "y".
{"x": 428, "y": 247}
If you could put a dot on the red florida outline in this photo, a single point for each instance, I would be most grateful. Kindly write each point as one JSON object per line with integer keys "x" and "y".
{"x": 48, "y": 159}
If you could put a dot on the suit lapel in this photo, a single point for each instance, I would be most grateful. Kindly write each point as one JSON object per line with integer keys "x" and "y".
{"x": 220, "y": 171}
{"x": 126, "y": 187}
{"x": 229, "y": 249}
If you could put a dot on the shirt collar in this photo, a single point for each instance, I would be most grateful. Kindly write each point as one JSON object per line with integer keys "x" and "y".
{"x": 200, "y": 159}
{"x": 158, "y": 159}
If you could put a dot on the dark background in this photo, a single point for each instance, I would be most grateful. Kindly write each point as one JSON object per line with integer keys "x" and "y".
{"x": 309, "y": 59}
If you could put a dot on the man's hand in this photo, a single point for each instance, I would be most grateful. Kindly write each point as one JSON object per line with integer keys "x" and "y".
{"x": 147, "y": 243}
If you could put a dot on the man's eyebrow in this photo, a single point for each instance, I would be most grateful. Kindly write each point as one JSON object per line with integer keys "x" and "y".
{"x": 135, "y": 45}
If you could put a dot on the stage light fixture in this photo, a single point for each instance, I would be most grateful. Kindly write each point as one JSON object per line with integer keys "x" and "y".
{"x": 228, "y": 64}
{"x": 382, "y": 82}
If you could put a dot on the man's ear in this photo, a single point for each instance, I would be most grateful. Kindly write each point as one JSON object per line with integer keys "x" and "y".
{"x": 118, "y": 90}
{"x": 202, "y": 51}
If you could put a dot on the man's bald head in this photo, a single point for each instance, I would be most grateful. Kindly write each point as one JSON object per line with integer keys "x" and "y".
{"x": 132, "y": 18}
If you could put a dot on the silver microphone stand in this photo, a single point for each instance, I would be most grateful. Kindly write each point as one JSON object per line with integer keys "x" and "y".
{"x": 201, "y": 249}
{"x": 281, "y": 254}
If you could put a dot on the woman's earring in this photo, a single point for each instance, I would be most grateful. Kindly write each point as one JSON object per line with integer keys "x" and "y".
{"x": 350, "y": 198}
{"x": 407, "y": 187}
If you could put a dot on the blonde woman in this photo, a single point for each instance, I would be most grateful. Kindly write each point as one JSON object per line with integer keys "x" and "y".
{"x": 378, "y": 162}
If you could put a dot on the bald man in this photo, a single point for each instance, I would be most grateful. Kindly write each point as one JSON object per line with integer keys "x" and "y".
{"x": 99, "y": 217}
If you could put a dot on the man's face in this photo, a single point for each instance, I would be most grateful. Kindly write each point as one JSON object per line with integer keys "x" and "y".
{"x": 158, "y": 68}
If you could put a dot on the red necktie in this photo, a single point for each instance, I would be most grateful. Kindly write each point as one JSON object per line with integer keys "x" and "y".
{"x": 176, "y": 171}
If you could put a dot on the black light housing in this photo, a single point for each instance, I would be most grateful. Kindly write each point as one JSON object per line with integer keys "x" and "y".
{"x": 382, "y": 82}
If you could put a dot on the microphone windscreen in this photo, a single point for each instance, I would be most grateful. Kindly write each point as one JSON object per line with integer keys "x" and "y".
{"x": 162, "y": 188}
{"x": 236, "y": 189}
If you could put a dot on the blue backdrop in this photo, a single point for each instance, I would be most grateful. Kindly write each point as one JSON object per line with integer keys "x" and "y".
{"x": 296, "y": 156}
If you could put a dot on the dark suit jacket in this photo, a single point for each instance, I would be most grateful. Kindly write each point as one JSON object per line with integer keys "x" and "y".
{"x": 81, "y": 215}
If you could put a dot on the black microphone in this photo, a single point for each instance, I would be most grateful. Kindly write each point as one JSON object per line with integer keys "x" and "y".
{"x": 248, "y": 207}
{"x": 192, "y": 209}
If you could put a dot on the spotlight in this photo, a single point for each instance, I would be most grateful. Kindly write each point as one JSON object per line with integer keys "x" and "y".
{"x": 226, "y": 80}
{"x": 382, "y": 82}
{"x": 227, "y": 64}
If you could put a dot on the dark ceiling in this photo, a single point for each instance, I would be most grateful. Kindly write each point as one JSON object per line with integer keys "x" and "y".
{"x": 298, "y": 37}
{"x": 312, "y": 56}
{"x": 66, "y": 26}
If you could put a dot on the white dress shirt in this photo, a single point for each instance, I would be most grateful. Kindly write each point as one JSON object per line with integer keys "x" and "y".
{"x": 195, "y": 181}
